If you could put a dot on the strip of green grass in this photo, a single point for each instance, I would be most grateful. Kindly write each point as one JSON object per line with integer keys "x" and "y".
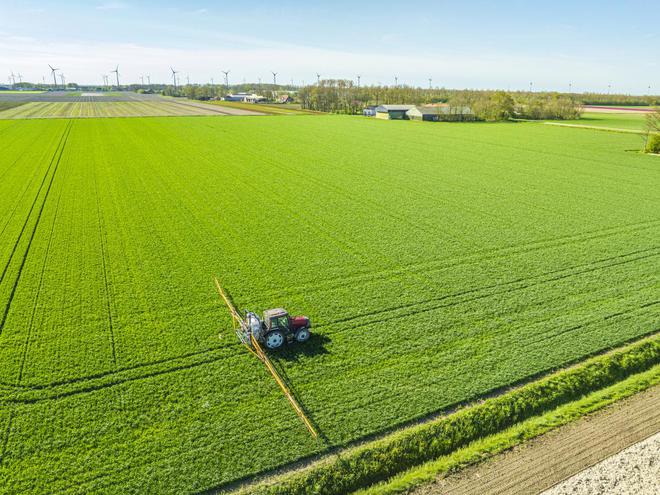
{"x": 375, "y": 462}
{"x": 18, "y": 92}
{"x": 614, "y": 120}
{"x": 481, "y": 449}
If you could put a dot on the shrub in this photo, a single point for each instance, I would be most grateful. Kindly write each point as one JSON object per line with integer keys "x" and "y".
{"x": 653, "y": 143}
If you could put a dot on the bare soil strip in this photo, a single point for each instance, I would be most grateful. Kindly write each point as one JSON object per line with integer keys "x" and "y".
{"x": 216, "y": 109}
{"x": 560, "y": 454}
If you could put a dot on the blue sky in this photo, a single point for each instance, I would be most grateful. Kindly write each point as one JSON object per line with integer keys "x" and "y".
{"x": 459, "y": 44}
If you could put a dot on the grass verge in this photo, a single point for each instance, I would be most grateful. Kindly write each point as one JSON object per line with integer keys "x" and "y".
{"x": 375, "y": 462}
{"x": 486, "y": 447}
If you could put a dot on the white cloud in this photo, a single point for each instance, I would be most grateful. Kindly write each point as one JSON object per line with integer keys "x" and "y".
{"x": 112, "y": 6}
{"x": 254, "y": 58}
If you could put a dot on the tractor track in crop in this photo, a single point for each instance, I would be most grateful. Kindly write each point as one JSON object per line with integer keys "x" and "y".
{"x": 58, "y": 154}
{"x": 208, "y": 357}
{"x": 28, "y": 337}
{"x": 101, "y": 230}
{"x": 34, "y": 202}
{"x": 588, "y": 268}
{"x": 38, "y": 393}
{"x": 368, "y": 276}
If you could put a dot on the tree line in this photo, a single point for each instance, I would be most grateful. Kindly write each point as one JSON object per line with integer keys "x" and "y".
{"x": 343, "y": 96}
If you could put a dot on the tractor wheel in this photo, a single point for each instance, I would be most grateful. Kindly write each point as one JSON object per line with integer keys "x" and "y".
{"x": 302, "y": 335}
{"x": 274, "y": 339}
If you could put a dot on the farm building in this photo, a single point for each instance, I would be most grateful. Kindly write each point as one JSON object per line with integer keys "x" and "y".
{"x": 244, "y": 97}
{"x": 393, "y": 112}
{"x": 440, "y": 113}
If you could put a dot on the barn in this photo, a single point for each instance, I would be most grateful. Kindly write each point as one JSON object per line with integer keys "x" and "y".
{"x": 440, "y": 113}
{"x": 393, "y": 112}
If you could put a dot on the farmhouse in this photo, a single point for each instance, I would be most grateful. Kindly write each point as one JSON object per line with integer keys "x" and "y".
{"x": 393, "y": 112}
{"x": 244, "y": 97}
{"x": 442, "y": 112}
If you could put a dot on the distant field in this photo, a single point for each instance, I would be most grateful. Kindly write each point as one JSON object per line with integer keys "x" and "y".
{"x": 438, "y": 263}
{"x": 16, "y": 92}
{"x": 6, "y": 105}
{"x": 147, "y": 108}
{"x": 618, "y": 108}
{"x": 284, "y": 109}
{"x": 631, "y": 121}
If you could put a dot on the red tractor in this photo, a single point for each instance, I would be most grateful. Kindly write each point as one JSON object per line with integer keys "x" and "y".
{"x": 277, "y": 327}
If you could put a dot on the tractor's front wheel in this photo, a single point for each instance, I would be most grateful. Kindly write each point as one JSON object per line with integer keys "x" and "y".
{"x": 302, "y": 335}
{"x": 274, "y": 339}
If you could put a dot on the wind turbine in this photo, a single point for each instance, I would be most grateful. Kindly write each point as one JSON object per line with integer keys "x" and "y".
{"x": 20, "y": 78}
{"x": 358, "y": 78}
{"x": 226, "y": 73}
{"x": 274, "y": 77}
{"x": 52, "y": 71}
{"x": 148, "y": 79}
{"x": 188, "y": 79}
{"x": 174, "y": 73}
{"x": 12, "y": 78}
{"x": 62, "y": 79}
{"x": 430, "y": 83}
{"x": 396, "y": 81}
{"x": 116, "y": 71}
{"x": 318, "y": 79}
{"x": 142, "y": 80}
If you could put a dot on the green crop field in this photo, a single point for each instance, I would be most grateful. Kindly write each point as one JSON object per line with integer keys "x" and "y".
{"x": 438, "y": 263}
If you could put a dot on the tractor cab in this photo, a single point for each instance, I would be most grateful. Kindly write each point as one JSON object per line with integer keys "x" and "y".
{"x": 280, "y": 327}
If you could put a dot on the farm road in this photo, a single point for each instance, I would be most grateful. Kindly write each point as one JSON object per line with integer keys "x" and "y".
{"x": 559, "y": 454}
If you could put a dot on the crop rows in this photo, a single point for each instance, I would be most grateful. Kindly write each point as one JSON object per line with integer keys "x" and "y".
{"x": 83, "y": 109}
{"x": 471, "y": 258}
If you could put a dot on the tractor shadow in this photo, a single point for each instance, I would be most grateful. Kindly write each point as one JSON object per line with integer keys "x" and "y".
{"x": 315, "y": 346}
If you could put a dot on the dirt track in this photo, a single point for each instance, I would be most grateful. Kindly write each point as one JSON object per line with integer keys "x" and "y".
{"x": 555, "y": 456}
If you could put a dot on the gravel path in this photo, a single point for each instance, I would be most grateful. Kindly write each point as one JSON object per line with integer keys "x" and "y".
{"x": 560, "y": 454}
{"x": 634, "y": 471}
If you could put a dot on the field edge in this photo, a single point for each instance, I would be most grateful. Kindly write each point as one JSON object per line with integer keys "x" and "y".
{"x": 408, "y": 448}
{"x": 484, "y": 449}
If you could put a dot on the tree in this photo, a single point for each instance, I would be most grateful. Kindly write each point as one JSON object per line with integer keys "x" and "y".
{"x": 653, "y": 132}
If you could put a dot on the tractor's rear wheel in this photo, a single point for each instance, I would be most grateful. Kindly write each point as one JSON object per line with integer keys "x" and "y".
{"x": 274, "y": 339}
{"x": 302, "y": 335}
